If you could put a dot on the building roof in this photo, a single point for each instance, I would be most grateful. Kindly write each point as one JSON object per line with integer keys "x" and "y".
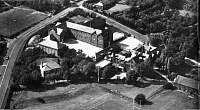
{"x": 130, "y": 43}
{"x": 87, "y": 49}
{"x": 99, "y": 4}
{"x": 117, "y": 36}
{"x": 185, "y": 12}
{"x": 50, "y": 65}
{"x": 49, "y": 43}
{"x": 58, "y": 23}
{"x": 82, "y": 28}
{"x": 97, "y": 23}
{"x": 120, "y": 76}
{"x": 118, "y": 7}
{"x": 186, "y": 81}
{"x": 103, "y": 63}
{"x": 59, "y": 31}
{"x": 45, "y": 60}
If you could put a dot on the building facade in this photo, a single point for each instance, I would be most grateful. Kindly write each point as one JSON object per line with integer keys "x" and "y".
{"x": 49, "y": 46}
{"x": 187, "y": 85}
{"x": 89, "y": 35}
{"x": 49, "y": 50}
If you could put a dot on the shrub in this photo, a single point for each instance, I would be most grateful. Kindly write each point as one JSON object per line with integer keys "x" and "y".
{"x": 140, "y": 99}
{"x": 168, "y": 86}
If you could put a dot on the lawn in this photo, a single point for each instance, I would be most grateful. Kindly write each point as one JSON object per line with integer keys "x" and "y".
{"x": 171, "y": 100}
{"x": 93, "y": 97}
{"x": 17, "y": 19}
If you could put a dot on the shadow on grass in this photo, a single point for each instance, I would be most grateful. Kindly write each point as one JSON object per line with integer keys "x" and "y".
{"x": 144, "y": 102}
{"x": 46, "y": 87}
{"x": 141, "y": 84}
{"x": 157, "y": 82}
{"x": 49, "y": 99}
{"x": 153, "y": 75}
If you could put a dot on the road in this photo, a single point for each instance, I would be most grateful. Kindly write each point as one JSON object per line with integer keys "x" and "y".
{"x": 139, "y": 36}
{"x": 15, "y": 50}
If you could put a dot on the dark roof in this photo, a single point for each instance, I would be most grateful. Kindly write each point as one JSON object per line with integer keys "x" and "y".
{"x": 78, "y": 19}
{"x": 187, "y": 82}
{"x": 97, "y": 23}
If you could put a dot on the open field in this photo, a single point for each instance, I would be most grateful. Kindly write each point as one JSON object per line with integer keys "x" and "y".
{"x": 17, "y": 19}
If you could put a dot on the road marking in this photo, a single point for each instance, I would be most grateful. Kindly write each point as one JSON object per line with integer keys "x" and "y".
{"x": 3, "y": 65}
{"x": 7, "y": 65}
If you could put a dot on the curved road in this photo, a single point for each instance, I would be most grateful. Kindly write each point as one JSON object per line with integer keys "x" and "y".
{"x": 16, "y": 49}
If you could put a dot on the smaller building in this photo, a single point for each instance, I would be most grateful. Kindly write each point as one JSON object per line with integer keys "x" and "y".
{"x": 130, "y": 43}
{"x": 103, "y": 63}
{"x": 50, "y": 46}
{"x": 99, "y": 6}
{"x": 187, "y": 85}
{"x": 48, "y": 67}
{"x": 119, "y": 76}
{"x": 118, "y": 36}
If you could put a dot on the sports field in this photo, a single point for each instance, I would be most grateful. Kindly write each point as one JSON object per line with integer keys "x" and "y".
{"x": 17, "y": 19}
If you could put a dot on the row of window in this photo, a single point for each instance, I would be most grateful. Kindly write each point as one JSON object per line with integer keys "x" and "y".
{"x": 49, "y": 50}
{"x": 86, "y": 37}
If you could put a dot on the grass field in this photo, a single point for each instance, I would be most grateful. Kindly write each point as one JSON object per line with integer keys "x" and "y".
{"x": 172, "y": 100}
{"x": 94, "y": 97}
{"x": 78, "y": 97}
{"x": 17, "y": 19}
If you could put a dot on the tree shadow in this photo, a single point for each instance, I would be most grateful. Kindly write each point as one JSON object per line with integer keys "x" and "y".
{"x": 157, "y": 82}
{"x": 146, "y": 102}
{"x": 71, "y": 41}
{"x": 46, "y": 87}
{"x": 141, "y": 84}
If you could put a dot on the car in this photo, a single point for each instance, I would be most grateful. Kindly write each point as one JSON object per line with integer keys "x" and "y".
{"x": 6, "y": 58}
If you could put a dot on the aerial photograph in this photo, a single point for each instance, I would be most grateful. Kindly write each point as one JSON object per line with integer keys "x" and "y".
{"x": 99, "y": 55}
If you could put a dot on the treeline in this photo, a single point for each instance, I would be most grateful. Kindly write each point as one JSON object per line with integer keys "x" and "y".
{"x": 4, "y": 7}
{"x": 25, "y": 71}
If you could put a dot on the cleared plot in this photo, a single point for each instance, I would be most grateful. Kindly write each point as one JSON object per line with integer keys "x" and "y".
{"x": 17, "y": 19}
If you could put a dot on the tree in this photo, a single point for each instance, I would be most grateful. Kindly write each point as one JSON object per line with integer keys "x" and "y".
{"x": 66, "y": 2}
{"x": 76, "y": 75}
{"x": 144, "y": 67}
{"x": 168, "y": 86}
{"x": 108, "y": 72}
{"x": 140, "y": 99}
{"x": 131, "y": 76}
{"x": 90, "y": 71}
